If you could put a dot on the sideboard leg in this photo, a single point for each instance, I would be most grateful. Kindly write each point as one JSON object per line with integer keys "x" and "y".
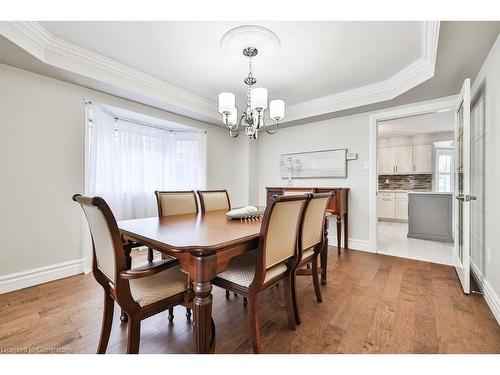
{"x": 339, "y": 234}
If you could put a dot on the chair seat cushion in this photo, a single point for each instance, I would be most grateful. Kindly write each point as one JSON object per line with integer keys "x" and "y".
{"x": 241, "y": 270}
{"x": 151, "y": 289}
{"x": 307, "y": 253}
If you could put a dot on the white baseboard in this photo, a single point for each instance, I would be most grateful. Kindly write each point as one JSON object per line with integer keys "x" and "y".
{"x": 492, "y": 299}
{"x": 354, "y": 244}
{"x": 36, "y": 276}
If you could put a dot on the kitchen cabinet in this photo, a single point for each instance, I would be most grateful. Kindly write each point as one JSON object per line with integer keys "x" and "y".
{"x": 386, "y": 160}
{"x": 393, "y": 206}
{"x": 404, "y": 160}
{"x": 401, "y": 206}
{"x": 413, "y": 159}
{"x": 422, "y": 155}
{"x": 386, "y": 206}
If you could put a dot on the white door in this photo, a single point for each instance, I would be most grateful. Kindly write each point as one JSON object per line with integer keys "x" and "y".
{"x": 422, "y": 159}
{"x": 386, "y": 160}
{"x": 404, "y": 159}
{"x": 462, "y": 188}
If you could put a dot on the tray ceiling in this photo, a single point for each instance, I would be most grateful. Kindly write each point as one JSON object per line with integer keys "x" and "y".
{"x": 322, "y": 67}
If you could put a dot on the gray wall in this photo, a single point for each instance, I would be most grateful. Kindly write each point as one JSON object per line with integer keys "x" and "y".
{"x": 486, "y": 232}
{"x": 42, "y": 160}
{"x": 351, "y": 132}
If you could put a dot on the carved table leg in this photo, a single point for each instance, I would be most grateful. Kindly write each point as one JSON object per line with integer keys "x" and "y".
{"x": 324, "y": 254}
{"x": 339, "y": 234}
{"x": 202, "y": 270}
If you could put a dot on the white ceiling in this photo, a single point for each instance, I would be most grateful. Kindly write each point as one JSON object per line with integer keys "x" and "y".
{"x": 322, "y": 67}
{"x": 428, "y": 123}
{"x": 316, "y": 58}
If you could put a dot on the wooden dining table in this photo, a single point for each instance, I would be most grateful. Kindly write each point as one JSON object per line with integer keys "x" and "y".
{"x": 204, "y": 243}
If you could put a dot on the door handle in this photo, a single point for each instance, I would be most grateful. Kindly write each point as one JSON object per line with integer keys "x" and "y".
{"x": 469, "y": 198}
{"x": 460, "y": 197}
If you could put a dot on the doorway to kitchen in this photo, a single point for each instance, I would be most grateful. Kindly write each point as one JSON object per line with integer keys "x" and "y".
{"x": 415, "y": 186}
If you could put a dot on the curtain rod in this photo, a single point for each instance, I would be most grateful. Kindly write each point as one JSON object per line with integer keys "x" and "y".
{"x": 137, "y": 122}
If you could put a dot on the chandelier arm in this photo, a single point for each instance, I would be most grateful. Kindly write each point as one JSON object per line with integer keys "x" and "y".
{"x": 228, "y": 126}
{"x": 241, "y": 118}
{"x": 273, "y": 131}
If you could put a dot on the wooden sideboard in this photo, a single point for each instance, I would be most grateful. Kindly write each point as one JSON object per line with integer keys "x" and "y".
{"x": 338, "y": 206}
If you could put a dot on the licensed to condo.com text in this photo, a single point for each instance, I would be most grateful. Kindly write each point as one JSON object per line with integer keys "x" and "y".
{"x": 35, "y": 350}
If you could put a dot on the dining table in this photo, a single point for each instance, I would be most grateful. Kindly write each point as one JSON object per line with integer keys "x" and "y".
{"x": 204, "y": 243}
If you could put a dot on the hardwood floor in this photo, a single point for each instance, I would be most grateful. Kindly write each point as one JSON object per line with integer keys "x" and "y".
{"x": 371, "y": 304}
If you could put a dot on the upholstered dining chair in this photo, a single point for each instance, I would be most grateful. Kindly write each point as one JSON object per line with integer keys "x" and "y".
{"x": 176, "y": 203}
{"x": 211, "y": 200}
{"x": 274, "y": 260}
{"x": 311, "y": 243}
{"x": 141, "y": 292}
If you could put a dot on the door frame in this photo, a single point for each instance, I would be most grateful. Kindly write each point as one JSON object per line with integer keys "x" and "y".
{"x": 447, "y": 103}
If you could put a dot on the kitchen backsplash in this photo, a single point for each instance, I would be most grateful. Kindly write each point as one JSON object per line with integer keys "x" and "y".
{"x": 405, "y": 182}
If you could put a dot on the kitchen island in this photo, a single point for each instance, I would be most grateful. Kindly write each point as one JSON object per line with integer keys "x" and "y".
{"x": 430, "y": 216}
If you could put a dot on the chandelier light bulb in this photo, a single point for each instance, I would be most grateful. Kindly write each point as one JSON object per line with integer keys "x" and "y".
{"x": 277, "y": 109}
{"x": 258, "y": 98}
{"x": 226, "y": 102}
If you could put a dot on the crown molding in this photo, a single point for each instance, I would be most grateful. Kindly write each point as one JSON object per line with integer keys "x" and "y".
{"x": 412, "y": 75}
{"x": 39, "y": 42}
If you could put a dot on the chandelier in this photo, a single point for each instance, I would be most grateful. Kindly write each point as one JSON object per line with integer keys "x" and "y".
{"x": 252, "y": 118}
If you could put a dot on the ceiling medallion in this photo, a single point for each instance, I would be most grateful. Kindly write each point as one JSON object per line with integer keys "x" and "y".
{"x": 250, "y": 41}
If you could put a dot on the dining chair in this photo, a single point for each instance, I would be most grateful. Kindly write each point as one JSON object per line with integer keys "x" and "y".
{"x": 311, "y": 244}
{"x": 211, "y": 200}
{"x": 176, "y": 203}
{"x": 273, "y": 261}
{"x": 141, "y": 292}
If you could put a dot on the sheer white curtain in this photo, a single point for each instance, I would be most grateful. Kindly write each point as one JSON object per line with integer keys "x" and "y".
{"x": 128, "y": 162}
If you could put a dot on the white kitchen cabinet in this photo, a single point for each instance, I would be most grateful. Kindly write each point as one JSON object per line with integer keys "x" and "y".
{"x": 386, "y": 160}
{"x": 401, "y": 206}
{"x": 393, "y": 206}
{"x": 422, "y": 155}
{"x": 404, "y": 159}
{"x": 386, "y": 205}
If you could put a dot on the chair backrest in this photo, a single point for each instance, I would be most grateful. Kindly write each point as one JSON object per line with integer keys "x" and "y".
{"x": 279, "y": 232}
{"x": 211, "y": 200}
{"x": 313, "y": 223}
{"x": 109, "y": 256}
{"x": 176, "y": 202}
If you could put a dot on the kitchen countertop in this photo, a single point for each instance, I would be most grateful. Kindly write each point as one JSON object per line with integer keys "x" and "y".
{"x": 430, "y": 192}
{"x": 403, "y": 191}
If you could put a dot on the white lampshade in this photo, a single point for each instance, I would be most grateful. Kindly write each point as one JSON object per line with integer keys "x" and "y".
{"x": 258, "y": 98}
{"x": 277, "y": 109}
{"x": 226, "y": 102}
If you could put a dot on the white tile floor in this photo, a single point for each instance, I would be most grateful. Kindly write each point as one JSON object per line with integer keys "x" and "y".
{"x": 392, "y": 240}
